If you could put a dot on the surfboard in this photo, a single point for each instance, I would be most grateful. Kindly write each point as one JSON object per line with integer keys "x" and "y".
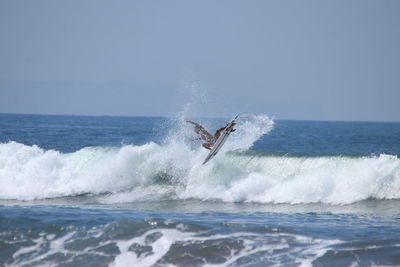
{"x": 220, "y": 141}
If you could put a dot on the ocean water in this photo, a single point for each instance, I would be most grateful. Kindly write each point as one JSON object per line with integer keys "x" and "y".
{"x": 131, "y": 191}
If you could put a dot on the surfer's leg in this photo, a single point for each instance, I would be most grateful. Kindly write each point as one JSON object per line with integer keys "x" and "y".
{"x": 207, "y": 146}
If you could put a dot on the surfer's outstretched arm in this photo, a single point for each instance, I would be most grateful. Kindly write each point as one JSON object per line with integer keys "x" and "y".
{"x": 200, "y": 130}
{"x": 220, "y": 129}
{"x": 194, "y": 123}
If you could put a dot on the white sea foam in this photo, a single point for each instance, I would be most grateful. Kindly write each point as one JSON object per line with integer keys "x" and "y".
{"x": 173, "y": 170}
{"x": 336, "y": 180}
{"x": 159, "y": 248}
{"x": 153, "y": 245}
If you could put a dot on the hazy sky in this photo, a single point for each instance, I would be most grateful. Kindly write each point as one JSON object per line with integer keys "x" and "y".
{"x": 324, "y": 60}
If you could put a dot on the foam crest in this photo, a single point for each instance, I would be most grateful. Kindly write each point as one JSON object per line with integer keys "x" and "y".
{"x": 29, "y": 172}
{"x": 248, "y": 131}
{"x": 270, "y": 179}
{"x": 173, "y": 170}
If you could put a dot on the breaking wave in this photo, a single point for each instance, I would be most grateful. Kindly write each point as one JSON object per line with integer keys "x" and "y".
{"x": 173, "y": 170}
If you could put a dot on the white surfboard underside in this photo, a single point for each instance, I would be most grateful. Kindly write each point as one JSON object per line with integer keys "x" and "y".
{"x": 220, "y": 142}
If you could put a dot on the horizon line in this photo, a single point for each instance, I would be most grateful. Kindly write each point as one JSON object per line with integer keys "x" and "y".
{"x": 205, "y": 117}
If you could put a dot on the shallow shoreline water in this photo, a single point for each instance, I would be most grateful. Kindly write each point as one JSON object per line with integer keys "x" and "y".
{"x": 54, "y": 234}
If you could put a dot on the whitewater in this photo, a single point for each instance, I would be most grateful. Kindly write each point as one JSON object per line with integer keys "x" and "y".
{"x": 124, "y": 191}
{"x": 173, "y": 170}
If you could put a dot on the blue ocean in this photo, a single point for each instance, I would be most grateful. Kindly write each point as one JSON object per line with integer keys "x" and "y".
{"x": 132, "y": 191}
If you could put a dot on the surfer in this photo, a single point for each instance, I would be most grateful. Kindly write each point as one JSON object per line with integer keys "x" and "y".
{"x": 205, "y": 135}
